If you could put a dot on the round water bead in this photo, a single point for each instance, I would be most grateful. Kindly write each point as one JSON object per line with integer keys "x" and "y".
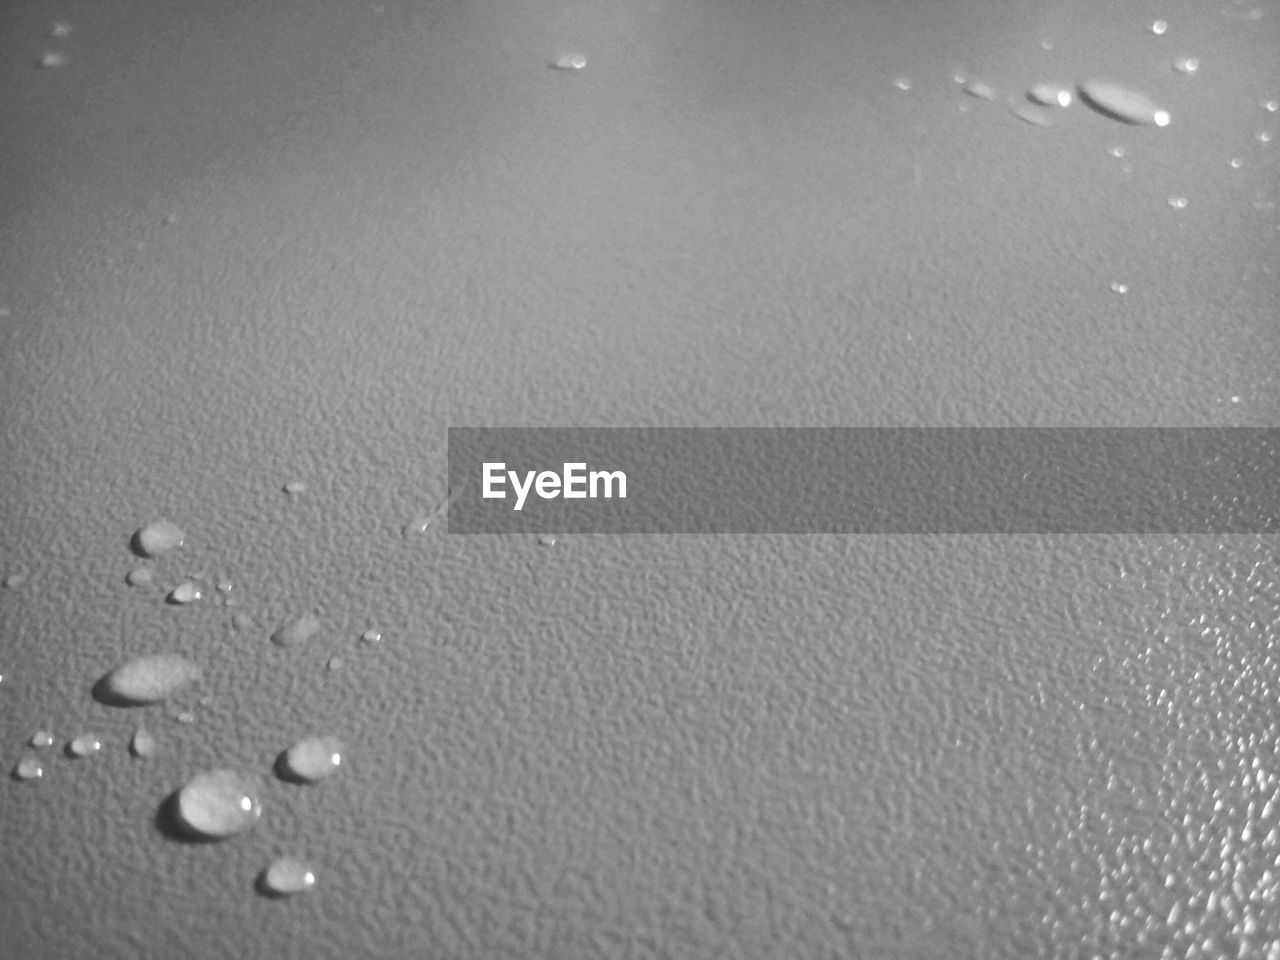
{"x": 1158, "y": 27}
{"x": 140, "y": 577}
{"x": 157, "y": 537}
{"x": 85, "y": 745}
{"x": 29, "y": 768}
{"x": 287, "y": 876}
{"x": 218, "y": 804}
{"x": 371, "y": 636}
{"x": 312, "y": 759}
{"x": 41, "y": 739}
{"x": 149, "y": 679}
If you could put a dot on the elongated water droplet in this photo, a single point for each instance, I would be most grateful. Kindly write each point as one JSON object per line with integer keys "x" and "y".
{"x": 141, "y": 577}
{"x": 1049, "y": 95}
{"x": 85, "y": 745}
{"x": 1123, "y": 104}
{"x": 184, "y": 593}
{"x": 983, "y": 91}
{"x": 218, "y": 804}
{"x": 29, "y": 768}
{"x": 287, "y": 876}
{"x": 143, "y": 743}
{"x": 569, "y": 61}
{"x": 157, "y": 537}
{"x": 15, "y": 580}
{"x": 148, "y": 679}
{"x": 296, "y": 631}
{"x": 312, "y": 759}
{"x": 1178, "y": 203}
{"x": 41, "y": 739}
{"x": 1031, "y": 114}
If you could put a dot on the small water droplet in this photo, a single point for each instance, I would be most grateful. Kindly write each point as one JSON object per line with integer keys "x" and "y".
{"x": 960, "y": 76}
{"x": 140, "y": 577}
{"x": 569, "y": 61}
{"x": 53, "y": 59}
{"x": 157, "y": 537}
{"x": 1117, "y": 152}
{"x": 184, "y": 593}
{"x": 60, "y": 29}
{"x": 85, "y": 745}
{"x": 1121, "y": 103}
{"x": 242, "y": 621}
{"x": 186, "y": 716}
{"x": 225, "y": 586}
{"x": 902, "y": 83}
{"x": 312, "y": 759}
{"x": 296, "y": 631}
{"x": 1118, "y": 287}
{"x": 15, "y": 580}
{"x": 1235, "y": 163}
{"x": 1271, "y": 106}
{"x": 1049, "y": 95}
{"x": 143, "y": 743}
{"x": 983, "y": 91}
{"x": 1186, "y": 65}
{"x": 148, "y": 679}
{"x": 1046, "y": 44}
{"x": 547, "y": 540}
{"x": 1236, "y": 399}
{"x": 371, "y": 636}
{"x": 416, "y": 527}
{"x": 218, "y": 804}
{"x": 29, "y": 768}
{"x": 334, "y": 663}
{"x": 295, "y": 487}
{"x": 287, "y": 876}
{"x": 41, "y": 739}
{"x": 1158, "y": 27}
{"x": 1178, "y": 203}
{"x": 1264, "y": 136}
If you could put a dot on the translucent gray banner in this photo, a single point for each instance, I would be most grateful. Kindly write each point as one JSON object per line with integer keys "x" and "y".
{"x": 864, "y": 480}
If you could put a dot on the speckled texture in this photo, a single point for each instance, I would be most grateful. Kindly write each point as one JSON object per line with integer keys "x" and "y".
{"x": 244, "y": 247}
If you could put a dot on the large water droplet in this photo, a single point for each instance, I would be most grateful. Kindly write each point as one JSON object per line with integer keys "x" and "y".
{"x": 184, "y": 593}
{"x": 311, "y": 759}
{"x": 157, "y": 537}
{"x": 297, "y": 631}
{"x": 218, "y": 804}
{"x": 1121, "y": 103}
{"x": 286, "y": 877}
{"x": 147, "y": 679}
{"x": 28, "y": 768}
{"x": 85, "y": 745}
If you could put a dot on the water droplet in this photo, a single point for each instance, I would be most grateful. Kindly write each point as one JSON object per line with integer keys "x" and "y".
{"x": 1271, "y": 106}
{"x": 1031, "y": 114}
{"x": 53, "y": 59}
{"x": 1049, "y": 95}
{"x": 902, "y": 83}
{"x": 1046, "y": 44}
{"x": 85, "y": 745}
{"x": 1235, "y": 163}
{"x": 1121, "y": 103}
{"x": 312, "y": 759}
{"x": 371, "y": 636}
{"x": 1118, "y": 287}
{"x": 547, "y": 540}
{"x": 983, "y": 91}
{"x": 218, "y": 804}
{"x": 184, "y": 593}
{"x": 15, "y": 580}
{"x": 1236, "y": 399}
{"x": 1178, "y": 203}
{"x": 186, "y": 716}
{"x": 1158, "y": 27}
{"x": 148, "y": 679}
{"x": 140, "y": 577}
{"x": 242, "y": 621}
{"x": 143, "y": 743}
{"x": 298, "y": 631}
{"x": 41, "y": 739}
{"x": 225, "y": 586}
{"x": 960, "y": 76}
{"x": 1186, "y": 65}
{"x": 60, "y": 29}
{"x": 287, "y": 876}
{"x": 1117, "y": 152}
{"x": 295, "y": 487}
{"x": 28, "y": 768}
{"x": 569, "y": 61}
{"x": 334, "y": 663}
{"x": 157, "y": 537}
{"x": 1264, "y": 136}
{"x": 416, "y": 527}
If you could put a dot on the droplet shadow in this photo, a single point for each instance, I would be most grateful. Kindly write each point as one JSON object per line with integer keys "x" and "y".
{"x": 286, "y": 773}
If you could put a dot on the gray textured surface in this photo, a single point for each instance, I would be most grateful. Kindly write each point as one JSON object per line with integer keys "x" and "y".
{"x": 391, "y": 222}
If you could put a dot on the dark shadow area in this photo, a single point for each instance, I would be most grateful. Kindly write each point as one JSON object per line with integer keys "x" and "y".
{"x": 103, "y": 693}
{"x": 283, "y": 771}
{"x": 135, "y": 544}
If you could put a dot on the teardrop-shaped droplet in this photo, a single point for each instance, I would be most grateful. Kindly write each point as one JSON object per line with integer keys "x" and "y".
{"x": 218, "y": 804}
{"x": 143, "y": 743}
{"x": 312, "y": 759}
{"x": 148, "y": 679}
{"x": 1049, "y": 95}
{"x": 287, "y": 876}
{"x": 296, "y": 631}
{"x": 185, "y": 593}
{"x": 1121, "y": 103}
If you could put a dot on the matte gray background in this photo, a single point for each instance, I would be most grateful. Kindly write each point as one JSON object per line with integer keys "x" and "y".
{"x": 247, "y": 244}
